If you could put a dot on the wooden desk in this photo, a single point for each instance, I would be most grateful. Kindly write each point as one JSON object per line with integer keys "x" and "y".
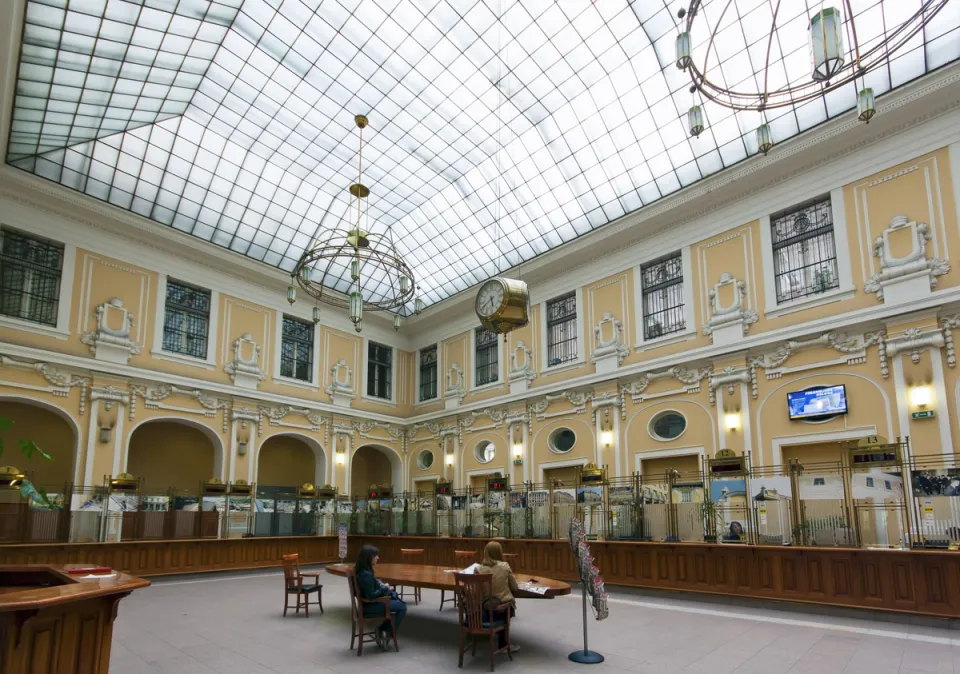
{"x": 439, "y": 578}
{"x": 51, "y": 621}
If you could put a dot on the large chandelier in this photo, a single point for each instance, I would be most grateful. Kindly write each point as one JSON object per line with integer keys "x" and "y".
{"x": 355, "y": 269}
{"x": 836, "y": 60}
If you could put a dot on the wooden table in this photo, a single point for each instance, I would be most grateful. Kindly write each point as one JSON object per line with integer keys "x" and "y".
{"x": 54, "y": 621}
{"x": 439, "y": 578}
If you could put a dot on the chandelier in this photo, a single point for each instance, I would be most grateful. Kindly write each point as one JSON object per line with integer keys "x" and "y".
{"x": 833, "y": 65}
{"x": 355, "y": 269}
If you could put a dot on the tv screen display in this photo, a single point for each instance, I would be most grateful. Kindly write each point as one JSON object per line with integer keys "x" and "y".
{"x": 817, "y": 402}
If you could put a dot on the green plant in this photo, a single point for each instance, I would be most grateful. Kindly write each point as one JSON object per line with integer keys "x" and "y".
{"x": 29, "y": 449}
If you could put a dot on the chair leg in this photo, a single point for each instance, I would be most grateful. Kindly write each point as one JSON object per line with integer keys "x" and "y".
{"x": 492, "y": 639}
{"x": 509, "y": 654}
{"x": 360, "y": 631}
{"x": 353, "y": 629}
{"x": 286, "y": 603}
{"x": 462, "y": 649}
{"x": 443, "y": 593}
{"x": 306, "y": 603}
{"x": 474, "y": 651}
{"x": 320, "y": 599}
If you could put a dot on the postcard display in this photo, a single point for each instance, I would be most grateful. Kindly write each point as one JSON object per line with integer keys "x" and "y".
{"x": 590, "y": 583}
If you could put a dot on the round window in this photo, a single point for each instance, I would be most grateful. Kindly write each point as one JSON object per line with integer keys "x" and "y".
{"x": 485, "y": 452}
{"x": 668, "y": 425}
{"x": 562, "y": 440}
{"x": 425, "y": 459}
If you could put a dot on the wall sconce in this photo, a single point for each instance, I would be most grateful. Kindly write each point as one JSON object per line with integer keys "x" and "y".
{"x": 921, "y": 396}
{"x": 242, "y": 448}
{"x": 341, "y": 457}
{"x": 732, "y": 421}
{"x": 606, "y": 438}
{"x": 450, "y": 459}
{"x": 517, "y": 454}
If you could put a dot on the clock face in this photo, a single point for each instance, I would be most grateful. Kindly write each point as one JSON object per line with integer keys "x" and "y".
{"x": 489, "y": 298}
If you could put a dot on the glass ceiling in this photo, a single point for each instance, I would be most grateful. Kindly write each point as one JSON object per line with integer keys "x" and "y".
{"x": 498, "y": 129}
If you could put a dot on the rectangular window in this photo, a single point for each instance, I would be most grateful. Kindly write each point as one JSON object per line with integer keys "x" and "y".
{"x": 819, "y": 482}
{"x": 869, "y": 481}
{"x": 804, "y": 252}
{"x": 428, "y": 373}
{"x": 662, "y": 282}
{"x": 296, "y": 349}
{"x": 30, "y": 271}
{"x": 379, "y": 371}
{"x": 686, "y": 497}
{"x": 186, "y": 321}
{"x": 487, "y": 357}
{"x": 562, "y": 329}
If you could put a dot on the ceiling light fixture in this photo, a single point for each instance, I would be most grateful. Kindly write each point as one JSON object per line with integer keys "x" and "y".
{"x": 349, "y": 269}
{"x": 834, "y": 65}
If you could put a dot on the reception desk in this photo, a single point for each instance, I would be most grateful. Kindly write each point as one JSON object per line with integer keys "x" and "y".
{"x": 907, "y": 581}
{"x": 54, "y": 621}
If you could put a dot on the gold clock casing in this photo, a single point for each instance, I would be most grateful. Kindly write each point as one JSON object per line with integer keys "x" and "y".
{"x": 513, "y": 311}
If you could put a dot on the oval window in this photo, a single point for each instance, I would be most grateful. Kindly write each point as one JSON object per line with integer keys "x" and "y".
{"x": 668, "y": 425}
{"x": 562, "y": 440}
{"x": 485, "y": 452}
{"x": 425, "y": 459}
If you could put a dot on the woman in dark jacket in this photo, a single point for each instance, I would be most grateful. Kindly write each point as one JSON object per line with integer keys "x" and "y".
{"x": 371, "y": 588}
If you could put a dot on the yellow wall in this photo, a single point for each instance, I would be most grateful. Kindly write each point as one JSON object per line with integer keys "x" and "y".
{"x": 169, "y": 454}
{"x": 52, "y": 434}
{"x": 286, "y": 461}
{"x": 370, "y": 467}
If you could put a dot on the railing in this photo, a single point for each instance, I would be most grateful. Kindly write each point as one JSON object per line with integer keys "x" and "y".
{"x": 916, "y": 504}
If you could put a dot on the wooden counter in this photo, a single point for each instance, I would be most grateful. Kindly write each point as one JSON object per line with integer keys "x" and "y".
{"x": 52, "y": 621}
{"x": 909, "y": 581}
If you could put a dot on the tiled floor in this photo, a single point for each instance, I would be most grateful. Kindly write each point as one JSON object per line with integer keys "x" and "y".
{"x": 232, "y": 624}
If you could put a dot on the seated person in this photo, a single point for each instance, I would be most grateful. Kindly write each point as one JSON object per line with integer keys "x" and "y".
{"x": 371, "y": 588}
{"x": 502, "y": 587}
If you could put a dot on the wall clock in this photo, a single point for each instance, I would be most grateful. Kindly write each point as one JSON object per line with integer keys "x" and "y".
{"x": 503, "y": 305}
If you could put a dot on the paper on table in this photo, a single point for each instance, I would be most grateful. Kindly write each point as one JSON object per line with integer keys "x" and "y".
{"x": 536, "y": 589}
{"x": 473, "y": 568}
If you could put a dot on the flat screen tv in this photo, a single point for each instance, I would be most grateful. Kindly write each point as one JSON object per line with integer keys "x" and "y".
{"x": 822, "y": 401}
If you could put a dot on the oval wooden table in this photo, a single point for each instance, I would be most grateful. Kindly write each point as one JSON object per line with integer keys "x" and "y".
{"x": 441, "y": 578}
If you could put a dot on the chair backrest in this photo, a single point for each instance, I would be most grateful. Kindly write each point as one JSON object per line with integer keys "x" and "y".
{"x": 471, "y": 591}
{"x": 413, "y": 554}
{"x": 465, "y": 554}
{"x": 291, "y": 569}
{"x": 354, "y": 593}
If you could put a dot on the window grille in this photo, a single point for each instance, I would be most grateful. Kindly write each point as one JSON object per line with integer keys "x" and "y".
{"x": 186, "y": 322}
{"x": 30, "y": 270}
{"x": 562, "y": 329}
{"x": 804, "y": 251}
{"x": 487, "y": 357}
{"x": 379, "y": 371}
{"x": 428, "y": 373}
{"x": 662, "y": 282}
{"x": 296, "y": 349}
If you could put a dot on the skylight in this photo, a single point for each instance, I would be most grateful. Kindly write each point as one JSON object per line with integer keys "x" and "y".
{"x": 498, "y": 130}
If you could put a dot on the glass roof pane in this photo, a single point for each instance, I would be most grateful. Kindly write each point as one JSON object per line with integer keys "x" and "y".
{"x": 498, "y": 129}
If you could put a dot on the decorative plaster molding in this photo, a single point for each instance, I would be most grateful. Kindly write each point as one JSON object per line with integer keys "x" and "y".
{"x": 341, "y": 390}
{"x": 636, "y": 388}
{"x": 110, "y": 395}
{"x": 244, "y": 370}
{"x": 948, "y": 324}
{"x": 897, "y": 280}
{"x": 853, "y": 349}
{"x": 610, "y": 351}
{"x": 247, "y": 415}
{"x": 456, "y": 389}
{"x": 730, "y": 377}
{"x": 61, "y": 381}
{"x": 730, "y": 323}
{"x": 113, "y": 345}
{"x": 521, "y": 374}
{"x": 209, "y": 403}
{"x": 913, "y": 341}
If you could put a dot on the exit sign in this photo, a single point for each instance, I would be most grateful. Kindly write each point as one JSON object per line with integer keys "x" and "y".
{"x": 924, "y": 414}
{"x": 518, "y": 462}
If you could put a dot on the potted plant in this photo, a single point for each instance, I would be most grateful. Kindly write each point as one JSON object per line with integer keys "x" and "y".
{"x": 29, "y": 491}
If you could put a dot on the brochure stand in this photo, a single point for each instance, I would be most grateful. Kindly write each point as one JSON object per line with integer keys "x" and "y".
{"x": 590, "y": 583}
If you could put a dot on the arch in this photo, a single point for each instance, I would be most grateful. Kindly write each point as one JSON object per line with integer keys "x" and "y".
{"x": 467, "y": 448}
{"x": 74, "y": 471}
{"x": 793, "y": 381}
{"x": 216, "y": 443}
{"x": 666, "y": 445}
{"x": 396, "y": 466}
{"x": 319, "y": 455}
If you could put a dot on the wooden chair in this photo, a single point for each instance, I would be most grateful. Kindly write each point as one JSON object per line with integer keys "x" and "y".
{"x": 412, "y": 556}
{"x": 463, "y": 556}
{"x": 474, "y": 619}
{"x": 293, "y": 584}
{"x": 358, "y": 621}
{"x": 513, "y": 559}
